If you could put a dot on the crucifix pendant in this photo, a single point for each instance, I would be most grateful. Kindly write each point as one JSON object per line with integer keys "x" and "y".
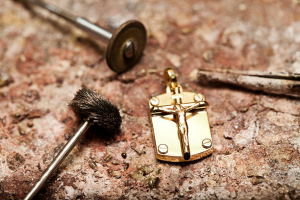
{"x": 179, "y": 119}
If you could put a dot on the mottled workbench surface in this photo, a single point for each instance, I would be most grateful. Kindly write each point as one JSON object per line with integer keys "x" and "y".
{"x": 44, "y": 61}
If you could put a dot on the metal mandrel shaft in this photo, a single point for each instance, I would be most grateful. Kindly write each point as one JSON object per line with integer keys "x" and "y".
{"x": 58, "y": 160}
{"x": 270, "y": 82}
{"x": 80, "y": 22}
{"x": 93, "y": 109}
{"x": 124, "y": 47}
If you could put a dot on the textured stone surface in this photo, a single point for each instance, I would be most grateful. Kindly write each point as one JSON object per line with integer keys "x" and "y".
{"x": 44, "y": 61}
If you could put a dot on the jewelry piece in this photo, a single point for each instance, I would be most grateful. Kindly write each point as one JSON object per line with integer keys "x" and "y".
{"x": 181, "y": 130}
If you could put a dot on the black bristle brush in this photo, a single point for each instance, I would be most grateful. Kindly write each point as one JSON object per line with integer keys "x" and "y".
{"x": 92, "y": 108}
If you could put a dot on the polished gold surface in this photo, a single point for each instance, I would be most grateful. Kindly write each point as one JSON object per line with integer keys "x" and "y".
{"x": 180, "y": 124}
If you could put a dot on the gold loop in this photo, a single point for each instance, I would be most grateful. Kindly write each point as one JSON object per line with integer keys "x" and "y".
{"x": 170, "y": 78}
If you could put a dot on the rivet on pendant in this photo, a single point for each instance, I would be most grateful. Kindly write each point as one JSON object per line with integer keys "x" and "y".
{"x": 198, "y": 97}
{"x": 206, "y": 143}
{"x": 163, "y": 148}
{"x": 154, "y": 101}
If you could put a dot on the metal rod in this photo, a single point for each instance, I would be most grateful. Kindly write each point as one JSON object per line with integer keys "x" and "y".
{"x": 80, "y": 22}
{"x": 270, "y": 82}
{"x": 263, "y": 74}
{"x": 58, "y": 160}
{"x": 124, "y": 46}
{"x": 93, "y": 29}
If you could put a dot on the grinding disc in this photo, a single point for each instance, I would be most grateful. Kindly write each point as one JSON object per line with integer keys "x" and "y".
{"x": 130, "y": 30}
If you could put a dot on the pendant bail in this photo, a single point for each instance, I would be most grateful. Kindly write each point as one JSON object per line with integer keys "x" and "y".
{"x": 170, "y": 80}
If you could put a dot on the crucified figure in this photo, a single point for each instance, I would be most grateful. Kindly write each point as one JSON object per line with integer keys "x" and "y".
{"x": 179, "y": 113}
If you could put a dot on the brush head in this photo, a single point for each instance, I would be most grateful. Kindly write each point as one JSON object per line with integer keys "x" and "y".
{"x": 90, "y": 105}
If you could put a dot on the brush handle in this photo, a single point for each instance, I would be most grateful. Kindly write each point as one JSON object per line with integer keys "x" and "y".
{"x": 58, "y": 160}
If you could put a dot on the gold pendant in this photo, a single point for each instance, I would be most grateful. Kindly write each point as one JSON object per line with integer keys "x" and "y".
{"x": 181, "y": 130}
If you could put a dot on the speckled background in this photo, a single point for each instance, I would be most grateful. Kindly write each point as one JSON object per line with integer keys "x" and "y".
{"x": 45, "y": 60}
